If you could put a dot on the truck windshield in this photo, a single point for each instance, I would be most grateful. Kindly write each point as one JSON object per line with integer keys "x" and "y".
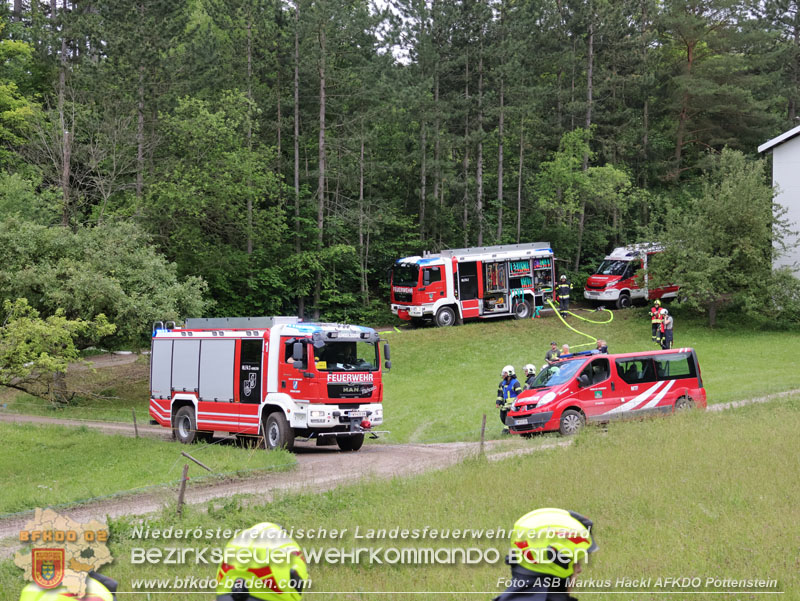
{"x": 405, "y": 274}
{"x": 553, "y": 375}
{"x": 608, "y": 267}
{"x": 347, "y": 356}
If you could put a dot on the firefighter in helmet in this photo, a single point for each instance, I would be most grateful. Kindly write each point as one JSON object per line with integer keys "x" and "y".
{"x": 262, "y": 563}
{"x": 548, "y": 547}
{"x": 530, "y": 375}
{"x": 507, "y": 391}
{"x": 655, "y": 320}
{"x": 564, "y": 287}
{"x": 666, "y": 329}
{"x": 98, "y": 588}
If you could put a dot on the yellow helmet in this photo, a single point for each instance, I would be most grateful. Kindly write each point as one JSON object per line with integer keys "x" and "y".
{"x": 549, "y": 541}
{"x": 98, "y": 588}
{"x": 657, "y": 303}
{"x": 262, "y": 562}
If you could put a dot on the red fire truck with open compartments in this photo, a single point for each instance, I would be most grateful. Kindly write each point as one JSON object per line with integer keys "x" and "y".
{"x": 482, "y": 282}
{"x": 275, "y": 377}
{"x": 615, "y": 278}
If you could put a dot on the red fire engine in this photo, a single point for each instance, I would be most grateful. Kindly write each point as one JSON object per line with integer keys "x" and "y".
{"x": 615, "y": 278}
{"x": 483, "y": 282}
{"x": 274, "y": 377}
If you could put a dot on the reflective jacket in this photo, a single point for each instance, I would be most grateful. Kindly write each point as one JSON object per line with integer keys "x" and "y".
{"x": 507, "y": 391}
{"x": 563, "y": 290}
{"x": 655, "y": 315}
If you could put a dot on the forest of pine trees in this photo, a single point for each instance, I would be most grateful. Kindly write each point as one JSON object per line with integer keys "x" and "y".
{"x": 275, "y": 157}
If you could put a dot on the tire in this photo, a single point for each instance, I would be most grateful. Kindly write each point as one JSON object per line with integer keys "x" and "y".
{"x": 624, "y": 301}
{"x": 350, "y": 443}
{"x": 683, "y": 404}
{"x": 522, "y": 310}
{"x": 277, "y": 433}
{"x": 184, "y": 426}
{"x": 445, "y": 317}
{"x": 572, "y": 422}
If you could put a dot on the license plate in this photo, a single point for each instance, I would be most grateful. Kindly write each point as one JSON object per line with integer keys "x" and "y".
{"x": 520, "y": 422}
{"x": 357, "y": 414}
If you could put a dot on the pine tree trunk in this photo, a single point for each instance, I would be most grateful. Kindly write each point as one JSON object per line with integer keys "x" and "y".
{"x": 297, "y": 247}
{"x": 423, "y": 180}
{"x": 589, "y": 74}
{"x": 519, "y": 181}
{"x": 465, "y": 163}
{"x": 321, "y": 174}
{"x": 66, "y": 145}
{"x": 500, "y": 124}
{"x": 479, "y": 161}
{"x": 361, "y": 244}
{"x": 249, "y": 131}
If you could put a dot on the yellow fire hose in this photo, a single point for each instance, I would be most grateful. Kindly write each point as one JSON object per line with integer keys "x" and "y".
{"x": 593, "y": 339}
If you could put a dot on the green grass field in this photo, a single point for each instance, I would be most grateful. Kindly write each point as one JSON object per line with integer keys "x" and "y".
{"x": 443, "y": 379}
{"x": 52, "y": 465}
{"x": 705, "y": 495}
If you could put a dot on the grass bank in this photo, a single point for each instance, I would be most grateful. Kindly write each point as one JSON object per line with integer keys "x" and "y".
{"x": 443, "y": 379}
{"x": 700, "y": 495}
{"x": 51, "y": 465}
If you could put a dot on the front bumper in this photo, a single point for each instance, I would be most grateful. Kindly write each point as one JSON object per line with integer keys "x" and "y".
{"x": 409, "y": 310}
{"x": 601, "y": 295}
{"x": 527, "y": 423}
{"x": 320, "y": 416}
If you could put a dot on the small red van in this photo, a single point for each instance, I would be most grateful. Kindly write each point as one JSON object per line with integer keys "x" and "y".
{"x": 592, "y": 387}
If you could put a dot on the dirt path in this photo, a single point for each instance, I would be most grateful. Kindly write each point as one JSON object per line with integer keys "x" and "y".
{"x": 318, "y": 469}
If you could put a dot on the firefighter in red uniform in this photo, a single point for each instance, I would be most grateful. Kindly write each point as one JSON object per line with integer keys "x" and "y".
{"x": 655, "y": 320}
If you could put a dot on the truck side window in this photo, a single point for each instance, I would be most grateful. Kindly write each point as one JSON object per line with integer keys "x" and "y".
{"x": 287, "y": 353}
{"x": 636, "y": 371}
{"x": 673, "y": 367}
{"x": 431, "y": 275}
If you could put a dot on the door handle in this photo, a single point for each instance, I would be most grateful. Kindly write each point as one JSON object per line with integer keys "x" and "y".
{"x": 308, "y": 374}
{"x": 612, "y": 386}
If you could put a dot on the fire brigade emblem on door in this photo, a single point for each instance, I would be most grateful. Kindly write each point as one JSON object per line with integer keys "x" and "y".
{"x": 250, "y": 383}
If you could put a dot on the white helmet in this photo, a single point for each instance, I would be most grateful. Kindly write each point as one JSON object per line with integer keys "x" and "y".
{"x": 508, "y": 370}
{"x": 530, "y": 369}
{"x": 664, "y": 312}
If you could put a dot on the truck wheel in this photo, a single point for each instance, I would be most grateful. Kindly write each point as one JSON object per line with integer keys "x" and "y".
{"x": 522, "y": 310}
{"x": 350, "y": 443}
{"x": 184, "y": 426}
{"x": 684, "y": 403}
{"x": 624, "y": 301}
{"x": 571, "y": 422}
{"x": 445, "y": 317}
{"x": 277, "y": 433}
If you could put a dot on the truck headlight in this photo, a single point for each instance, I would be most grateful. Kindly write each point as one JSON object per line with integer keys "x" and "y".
{"x": 317, "y": 414}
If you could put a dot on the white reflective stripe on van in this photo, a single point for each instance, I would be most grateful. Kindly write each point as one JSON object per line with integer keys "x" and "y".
{"x": 656, "y": 399}
{"x": 629, "y": 405}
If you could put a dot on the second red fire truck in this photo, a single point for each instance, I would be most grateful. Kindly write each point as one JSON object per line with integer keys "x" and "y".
{"x": 482, "y": 282}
